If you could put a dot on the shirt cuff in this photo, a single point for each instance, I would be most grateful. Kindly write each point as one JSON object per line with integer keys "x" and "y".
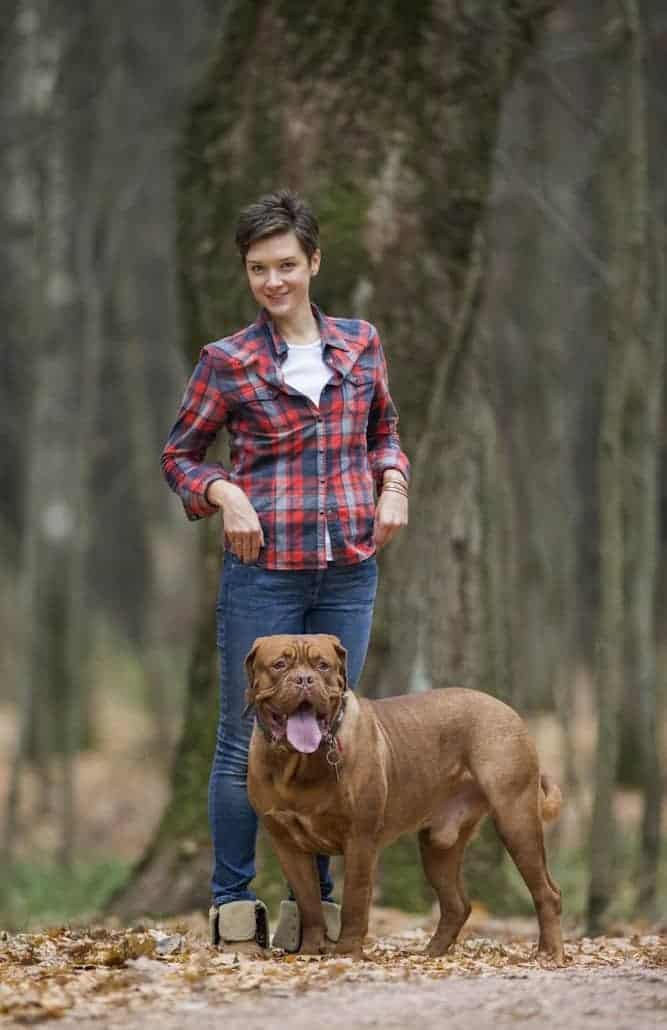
{"x": 195, "y": 503}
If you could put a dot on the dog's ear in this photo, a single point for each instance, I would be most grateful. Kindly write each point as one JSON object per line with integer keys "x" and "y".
{"x": 249, "y": 664}
{"x": 342, "y": 658}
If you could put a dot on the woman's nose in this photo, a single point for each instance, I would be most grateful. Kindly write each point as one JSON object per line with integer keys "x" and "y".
{"x": 274, "y": 278}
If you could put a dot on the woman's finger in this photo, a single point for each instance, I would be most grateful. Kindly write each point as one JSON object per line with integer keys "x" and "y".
{"x": 380, "y": 535}
{"x": 251, "y": 545}
{"x": 236, "y": 543}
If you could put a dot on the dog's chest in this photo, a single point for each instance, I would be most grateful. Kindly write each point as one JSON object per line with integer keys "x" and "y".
{"x": 311, "y": 831}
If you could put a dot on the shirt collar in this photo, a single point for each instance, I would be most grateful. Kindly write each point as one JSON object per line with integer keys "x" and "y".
{"x": 330, "y": 334}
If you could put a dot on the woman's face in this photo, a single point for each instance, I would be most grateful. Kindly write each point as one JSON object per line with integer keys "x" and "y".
{"x": 279, "y": 274}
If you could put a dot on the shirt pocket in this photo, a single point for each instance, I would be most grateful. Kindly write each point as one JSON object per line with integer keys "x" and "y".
{"x": 268, "y": 427}
{"x": 358, "y": 390}
{"x": 260, "y": 413}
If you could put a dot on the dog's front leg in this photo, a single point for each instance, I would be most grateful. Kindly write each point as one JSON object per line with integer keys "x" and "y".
{"x": 300, "y": 870}
{"x": 360, "y": 856}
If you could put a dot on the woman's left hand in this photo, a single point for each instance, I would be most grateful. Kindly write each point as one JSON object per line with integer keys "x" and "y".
{"x": 391, "y": 514}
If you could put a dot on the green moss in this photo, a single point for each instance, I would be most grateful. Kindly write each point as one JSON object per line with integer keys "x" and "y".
{"x": 43, "y": 893}
{"x": 341, "y": 210}
{"x": 364, "y": 33}
{"x": 311, "y": 36}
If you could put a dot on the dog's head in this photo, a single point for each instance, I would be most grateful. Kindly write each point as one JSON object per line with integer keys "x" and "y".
{"x": 296, "y": 684}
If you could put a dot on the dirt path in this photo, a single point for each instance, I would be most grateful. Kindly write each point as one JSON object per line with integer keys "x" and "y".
{"x": 167, "y": 977}
{"x": 630, "y": 998}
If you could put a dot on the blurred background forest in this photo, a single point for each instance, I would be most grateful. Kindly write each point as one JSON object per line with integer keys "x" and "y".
{"x": 491, "y": 190}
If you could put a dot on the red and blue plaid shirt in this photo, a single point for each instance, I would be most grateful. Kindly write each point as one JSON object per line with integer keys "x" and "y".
{"x": 301, "y": 466}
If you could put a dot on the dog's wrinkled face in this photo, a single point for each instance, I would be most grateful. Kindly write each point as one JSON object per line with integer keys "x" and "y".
{"x": 296, "y": 684}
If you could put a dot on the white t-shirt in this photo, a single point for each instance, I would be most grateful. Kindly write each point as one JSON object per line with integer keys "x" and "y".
{"x": 304, "y": 370}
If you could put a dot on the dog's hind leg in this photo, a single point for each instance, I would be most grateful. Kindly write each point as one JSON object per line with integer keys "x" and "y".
{"x": 520, "y": 830}
{"x": 443, "y": 867}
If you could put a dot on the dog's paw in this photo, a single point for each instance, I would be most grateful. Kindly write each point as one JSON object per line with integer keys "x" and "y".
{"x": 349, "y": 946}
{"x": 313, "y": 942}
{"x": 439, "y": 945}
{"x": 552, "y": 958}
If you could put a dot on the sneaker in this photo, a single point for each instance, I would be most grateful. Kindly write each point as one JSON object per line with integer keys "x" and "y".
{"x": 288, "y": 931}
{"x": 239, "y": 926}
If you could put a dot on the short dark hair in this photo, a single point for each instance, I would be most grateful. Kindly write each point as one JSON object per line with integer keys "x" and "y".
{"x": 282, "y": 211}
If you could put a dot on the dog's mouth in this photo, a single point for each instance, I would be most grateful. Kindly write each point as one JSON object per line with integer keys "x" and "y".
{"x": 303, "y": 728}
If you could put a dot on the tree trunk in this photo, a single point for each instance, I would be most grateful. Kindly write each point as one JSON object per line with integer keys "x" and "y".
{"x": 627, "y": 199}
{"x": 645, "y": 418}
{"x": 37, "y": 187}
{"x": 385, "y": 118}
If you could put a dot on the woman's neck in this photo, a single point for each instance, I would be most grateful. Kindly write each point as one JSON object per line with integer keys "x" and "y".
{"x": 300, "y": 328}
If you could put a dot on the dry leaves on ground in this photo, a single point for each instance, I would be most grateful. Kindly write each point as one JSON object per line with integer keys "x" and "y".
{"x": 87, "y": 971}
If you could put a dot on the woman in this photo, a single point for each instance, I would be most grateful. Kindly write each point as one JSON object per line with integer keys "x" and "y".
{"x": 313, "y": 438}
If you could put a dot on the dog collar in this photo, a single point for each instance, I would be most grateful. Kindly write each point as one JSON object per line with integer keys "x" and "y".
{"x": 334, "y": 753}
{"x": 337, "y": 719}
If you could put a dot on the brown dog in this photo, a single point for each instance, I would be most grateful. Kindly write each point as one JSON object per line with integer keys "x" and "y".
{"x": 334, "y": 774}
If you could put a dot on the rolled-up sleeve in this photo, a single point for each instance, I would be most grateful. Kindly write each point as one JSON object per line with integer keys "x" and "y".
{"x": 384, "y": 445}
{"x": 202, "y": 414}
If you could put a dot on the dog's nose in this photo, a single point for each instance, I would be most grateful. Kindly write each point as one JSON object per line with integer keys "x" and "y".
{"x": 304, "y": 679}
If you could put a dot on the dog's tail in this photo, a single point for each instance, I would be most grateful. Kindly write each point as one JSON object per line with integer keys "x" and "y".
{"x": 550, "y": 799}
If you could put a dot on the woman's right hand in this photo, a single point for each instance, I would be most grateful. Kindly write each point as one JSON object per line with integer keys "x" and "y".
{"x": 242, "y": 526}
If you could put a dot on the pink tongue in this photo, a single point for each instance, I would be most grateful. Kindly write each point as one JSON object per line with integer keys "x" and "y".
{"x": 303, "y": 732}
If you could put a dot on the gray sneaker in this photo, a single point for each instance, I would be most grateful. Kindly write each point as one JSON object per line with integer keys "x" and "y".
{"x": 239, "y": 925}
{"x": 288, "y": 931}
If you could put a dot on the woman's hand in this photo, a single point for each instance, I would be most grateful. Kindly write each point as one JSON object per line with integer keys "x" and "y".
{"x": 391, "y": 514}
{"x": 242, "y": 526}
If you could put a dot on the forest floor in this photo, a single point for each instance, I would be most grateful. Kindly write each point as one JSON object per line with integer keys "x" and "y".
{"x": 167, "y": 976}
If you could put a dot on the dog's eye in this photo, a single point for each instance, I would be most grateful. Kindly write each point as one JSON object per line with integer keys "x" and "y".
{"x": 280, "y": 664}
{"x": 323, "y": 666}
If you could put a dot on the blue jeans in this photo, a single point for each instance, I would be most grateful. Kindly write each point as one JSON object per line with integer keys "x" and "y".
{"x": 256, "y": 602}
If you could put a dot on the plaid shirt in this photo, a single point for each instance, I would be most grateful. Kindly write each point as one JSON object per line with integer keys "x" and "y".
{"x": 301, "y": 466}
